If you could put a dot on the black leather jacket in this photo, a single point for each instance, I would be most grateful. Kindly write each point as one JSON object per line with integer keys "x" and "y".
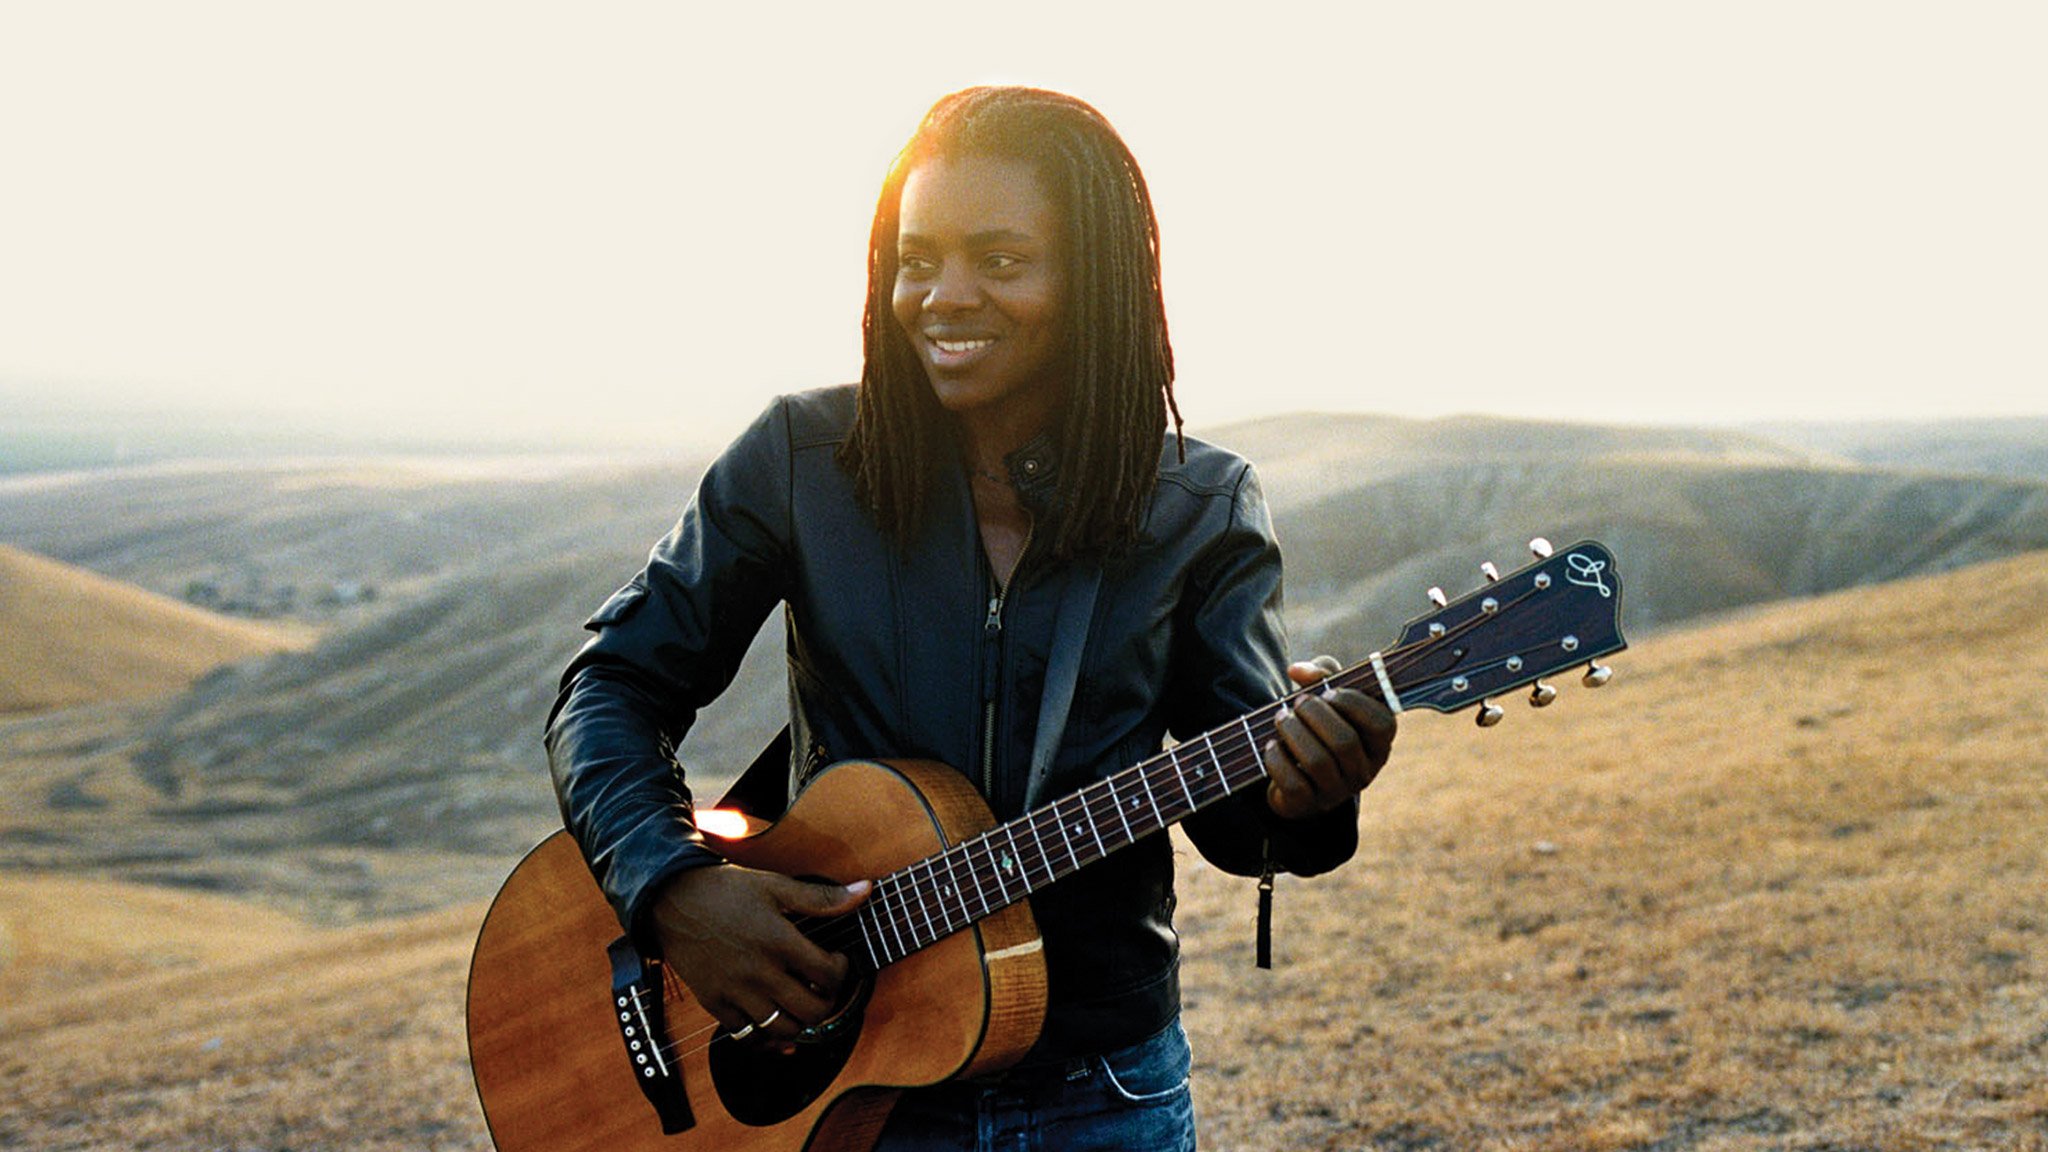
{"x": 895, "y": 654}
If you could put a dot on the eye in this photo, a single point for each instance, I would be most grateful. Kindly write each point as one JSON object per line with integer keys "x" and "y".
{"x": 915, "y": 266}
{"x": 1000, "y": 262}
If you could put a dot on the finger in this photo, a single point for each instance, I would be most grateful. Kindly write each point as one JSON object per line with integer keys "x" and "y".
{"x": 1372, "y": 719}
{"x": 759, "y": 1018}
{"x": 803, "y": 957}
{"x": 1341, "y": 740}
{"x": 804, "y": 898}
{"x": 730, "y": 1016}
{"x": 1322, "y": 778}
{"x": 802, "y": 1001}
{"x": 1305, "y": 673}
{"x": 1331, "y": 729}
{"x": 1314, "y": 671}
{"x": 1286, "y": 795}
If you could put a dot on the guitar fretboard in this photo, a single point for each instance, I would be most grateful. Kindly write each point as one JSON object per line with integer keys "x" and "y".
{"x": 944, "y": 893}
{"x": 1561, "y": 611}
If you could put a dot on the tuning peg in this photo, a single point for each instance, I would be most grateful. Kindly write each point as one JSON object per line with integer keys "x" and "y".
{"x": 1437, "y": 597}
{"x": 1489, "y": 571}
{"x": 1540, "y": 548}
{"x": 1598, "y": 674}
{"x": 1489, "y": 714}
{"x": 1542, "y": 695}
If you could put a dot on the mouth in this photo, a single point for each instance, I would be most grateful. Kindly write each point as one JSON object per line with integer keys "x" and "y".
{"x": 956, "y": 351}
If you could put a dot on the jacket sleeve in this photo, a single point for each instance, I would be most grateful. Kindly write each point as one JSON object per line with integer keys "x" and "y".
{"x": 1230, "y": 658}
{"x": 665, "y": 645}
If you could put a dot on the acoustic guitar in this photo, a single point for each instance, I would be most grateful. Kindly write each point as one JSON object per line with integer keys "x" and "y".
{"x": 581, "y": 1044}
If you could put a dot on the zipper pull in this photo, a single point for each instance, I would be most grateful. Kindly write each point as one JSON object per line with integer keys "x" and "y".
{"x": 991, "y": 651}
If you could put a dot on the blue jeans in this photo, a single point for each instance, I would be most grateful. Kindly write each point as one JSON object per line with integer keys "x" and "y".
{"x": 1132, "y": 1100}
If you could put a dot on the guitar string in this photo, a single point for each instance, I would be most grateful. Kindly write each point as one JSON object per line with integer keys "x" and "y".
{"x": 674, "y": 1050}
{"x": 976, "y": 855}
{"x": 920, "y": 895}
{"x": 980, "y": 850}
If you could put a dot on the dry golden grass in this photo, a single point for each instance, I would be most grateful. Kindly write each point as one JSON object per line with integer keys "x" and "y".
{"x": 1783, "y": 885}
{"x": 166, "y": 1020}
{"x": 74, "y": 637}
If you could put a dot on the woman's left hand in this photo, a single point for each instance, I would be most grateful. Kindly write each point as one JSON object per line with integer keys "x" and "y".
{"x": 1329, "y": 746}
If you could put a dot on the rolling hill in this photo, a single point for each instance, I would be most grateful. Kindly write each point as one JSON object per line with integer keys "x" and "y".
{"x": 405, "y": 745}
{"x": 1777, "y": 886}
{"x": 70, "y": 637}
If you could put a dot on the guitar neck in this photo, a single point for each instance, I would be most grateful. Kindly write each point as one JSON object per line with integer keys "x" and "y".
{"x": 1561, "y": 611}
{"x": 944, "y": 893}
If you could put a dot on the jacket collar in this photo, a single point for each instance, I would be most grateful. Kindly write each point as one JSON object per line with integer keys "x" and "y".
{"x": 1034, "y": 472}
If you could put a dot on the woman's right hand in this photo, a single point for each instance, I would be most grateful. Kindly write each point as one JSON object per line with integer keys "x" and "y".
{"x": 726, "y": 932}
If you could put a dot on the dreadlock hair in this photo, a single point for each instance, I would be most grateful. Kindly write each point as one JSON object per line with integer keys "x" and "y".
{"x": 1120, "y": 387}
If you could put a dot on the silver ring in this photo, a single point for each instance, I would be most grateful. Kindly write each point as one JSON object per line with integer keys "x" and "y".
{"x": 772, "y": 1018}
{"x": 743, "y": 1033}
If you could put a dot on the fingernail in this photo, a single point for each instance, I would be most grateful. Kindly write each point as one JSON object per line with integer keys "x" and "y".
{"x": 858, "y": 888}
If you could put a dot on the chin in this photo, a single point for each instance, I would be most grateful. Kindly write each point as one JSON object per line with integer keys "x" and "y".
{"x": 957, "y": 395}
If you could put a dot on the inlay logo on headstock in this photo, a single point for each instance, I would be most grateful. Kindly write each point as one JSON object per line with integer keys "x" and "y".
{"x": 1586, "y": 572}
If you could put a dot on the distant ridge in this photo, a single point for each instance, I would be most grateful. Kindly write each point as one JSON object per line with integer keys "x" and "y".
{"x": 1302, "y": 456}
{"x": 69, "y": 636}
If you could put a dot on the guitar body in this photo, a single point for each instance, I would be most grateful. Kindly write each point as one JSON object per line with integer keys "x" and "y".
{"x": 553, "y": 1071}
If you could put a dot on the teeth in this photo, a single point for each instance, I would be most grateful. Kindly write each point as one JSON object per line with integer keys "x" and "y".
{"x": 955, "y": 347}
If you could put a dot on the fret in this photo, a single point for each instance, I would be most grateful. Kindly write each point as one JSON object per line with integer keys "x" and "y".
{"x": 1117, "y": 806}
{"x": 1043, "y": 855}
{"x": 1151, "y": 799}
{"x": 1092, "y": 829}
{"x": 1180, "y": 774}
{"x": 1253, "y": 742}
{"x": 972, "y": 876}
{"x": 1222, "y": 777}
{"x": 1023, "y": 865}
{"x": 947, "y": 891}
{"x": 923, "y": 905}
{"x": 998, "y": 864}
{"x": 894, "y": 926}
{"x": 1061, "y": 823}
{"x": 861, "y": 917}
{"x": 966, "y": 855}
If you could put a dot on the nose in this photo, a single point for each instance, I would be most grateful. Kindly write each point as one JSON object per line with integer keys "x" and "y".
{"x": 953, "y": 290}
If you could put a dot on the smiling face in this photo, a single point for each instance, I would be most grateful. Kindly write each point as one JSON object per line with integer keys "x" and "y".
{"x": 981, "y": 292}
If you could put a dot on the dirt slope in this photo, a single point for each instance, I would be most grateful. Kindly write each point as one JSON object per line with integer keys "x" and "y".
{"x": 72, "y": 637}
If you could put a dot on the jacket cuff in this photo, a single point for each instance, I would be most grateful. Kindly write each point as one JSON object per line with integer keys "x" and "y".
{"x": 1310, "y": 846}
{"x": 640, "y": 863}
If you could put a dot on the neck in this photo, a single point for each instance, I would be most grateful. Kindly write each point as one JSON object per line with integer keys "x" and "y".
{"x": 986, "y": 444}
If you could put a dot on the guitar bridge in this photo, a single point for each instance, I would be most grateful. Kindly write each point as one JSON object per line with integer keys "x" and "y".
{"x": 637, "y": 1010}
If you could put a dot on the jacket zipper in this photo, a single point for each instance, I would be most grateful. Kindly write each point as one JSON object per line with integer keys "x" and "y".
{"x": 992, "y": 634}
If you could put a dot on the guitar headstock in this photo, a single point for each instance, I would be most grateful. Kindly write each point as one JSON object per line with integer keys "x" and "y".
{"x": 1558, "y": 613}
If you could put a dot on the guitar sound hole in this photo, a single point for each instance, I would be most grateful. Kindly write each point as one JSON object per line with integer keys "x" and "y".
{"x": 760, "y": 1085}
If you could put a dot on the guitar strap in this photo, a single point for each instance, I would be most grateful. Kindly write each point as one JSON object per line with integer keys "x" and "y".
{"x": 763, "y": 790}
{"x": 1062, "y": 672}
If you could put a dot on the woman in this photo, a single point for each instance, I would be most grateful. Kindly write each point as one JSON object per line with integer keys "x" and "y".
{"x": 1002, "y": 463}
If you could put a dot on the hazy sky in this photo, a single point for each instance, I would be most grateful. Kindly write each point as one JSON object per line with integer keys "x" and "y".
{"x": 649, "y": 218}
